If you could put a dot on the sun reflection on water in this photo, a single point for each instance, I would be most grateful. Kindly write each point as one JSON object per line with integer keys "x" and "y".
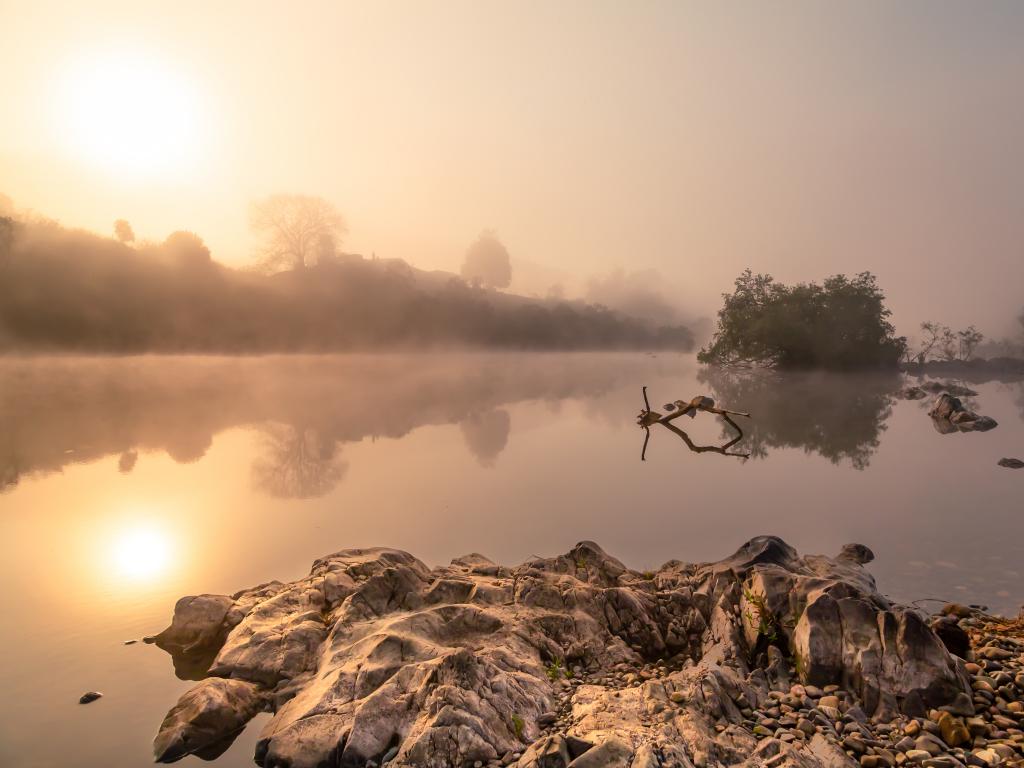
{"x": 142, "y": 551}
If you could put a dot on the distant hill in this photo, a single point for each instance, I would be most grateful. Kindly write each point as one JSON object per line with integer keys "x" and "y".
{"x": 70, "y": 290}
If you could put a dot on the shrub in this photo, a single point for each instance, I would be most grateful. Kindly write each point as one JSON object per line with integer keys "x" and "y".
{"x": 841, "y": 324}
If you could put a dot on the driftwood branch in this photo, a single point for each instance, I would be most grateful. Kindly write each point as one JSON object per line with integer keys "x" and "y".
{"x": 649, "y": 418}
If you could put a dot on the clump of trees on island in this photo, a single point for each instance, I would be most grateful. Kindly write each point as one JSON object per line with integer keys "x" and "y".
{"x": 65, "y": 289}
{"x": 841, "y": 324}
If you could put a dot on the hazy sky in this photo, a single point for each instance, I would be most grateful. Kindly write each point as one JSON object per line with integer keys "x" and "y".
{"x": 696, "y": 139}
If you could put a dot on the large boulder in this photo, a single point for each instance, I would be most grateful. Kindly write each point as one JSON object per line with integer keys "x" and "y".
{"x": 376, "y": 655}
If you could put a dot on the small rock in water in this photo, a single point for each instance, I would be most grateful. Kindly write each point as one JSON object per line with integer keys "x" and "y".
{"x": 949, "y": 413}
{"x": 89, "y": 696}
{"x": 1011, "y": 463}
{"x": 913, "y": 393}
{"x": 130, "y": 642}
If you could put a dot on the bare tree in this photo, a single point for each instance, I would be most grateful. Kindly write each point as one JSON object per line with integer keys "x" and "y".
{"x": 295, "y": 229}
{"x": 123, "y": 231}
{"x": 970, "y": 338}
{"x": 948, "y": 344}
{"x": 487, "y": 262}
{"x": 933, "y": 333}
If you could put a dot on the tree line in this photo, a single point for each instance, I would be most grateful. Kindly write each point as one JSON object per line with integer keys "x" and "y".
{"x": 66, "y": 289}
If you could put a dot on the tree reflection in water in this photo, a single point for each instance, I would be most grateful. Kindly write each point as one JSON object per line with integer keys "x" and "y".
{"x": 486, "y": 434}
{"x": 838, "y": 416}
{"x": 56, "y": 412}
{"x": 297, "y": 463}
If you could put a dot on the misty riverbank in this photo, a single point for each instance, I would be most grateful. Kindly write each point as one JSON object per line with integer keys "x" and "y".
{"x": 64, "y": 290}
{"x": 763, "y": 658}
{"x": 976, "y": 370}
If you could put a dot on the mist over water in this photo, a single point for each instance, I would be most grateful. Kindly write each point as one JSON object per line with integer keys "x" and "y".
{"x": 129, "y": 482}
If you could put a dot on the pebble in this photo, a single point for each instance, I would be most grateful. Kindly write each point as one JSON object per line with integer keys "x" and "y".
{"x": 985, "y": 730}
{"x": 89, "y": 696}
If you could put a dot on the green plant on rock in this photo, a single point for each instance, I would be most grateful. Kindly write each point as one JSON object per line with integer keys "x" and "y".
{"x": 649, "y": 575}
{"x": 759, "y": 614}
{"x": 517, "y": 726}
{"x": 581, "y": 562}
{"x": 556, "y": 671}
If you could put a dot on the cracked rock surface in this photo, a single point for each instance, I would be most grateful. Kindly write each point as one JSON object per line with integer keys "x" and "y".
{"x": 758, "y": 659}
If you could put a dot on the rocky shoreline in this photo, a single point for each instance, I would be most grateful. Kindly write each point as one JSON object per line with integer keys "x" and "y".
{"x": 765, "y": 658}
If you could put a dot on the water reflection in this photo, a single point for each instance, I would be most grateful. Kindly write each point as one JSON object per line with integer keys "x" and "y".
{"x": 297, "y": 462}
{"x": 486, "y": 434}
{"x": 509, "y": 456}
{"x": 141, "y": 551}
{"x": 126, "y": 463}
{"x": 838, "y": 417}
{"x": 58, "y": 412}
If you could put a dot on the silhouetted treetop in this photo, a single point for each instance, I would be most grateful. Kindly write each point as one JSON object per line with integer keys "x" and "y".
{"x": 841, "y": 324}
{"x": 487, "y": 262}
{"x": 186, "y": 249}
{"x": 123, "y": 231}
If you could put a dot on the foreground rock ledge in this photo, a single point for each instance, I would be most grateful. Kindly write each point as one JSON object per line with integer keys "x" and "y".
{"x": 760, "y": 659}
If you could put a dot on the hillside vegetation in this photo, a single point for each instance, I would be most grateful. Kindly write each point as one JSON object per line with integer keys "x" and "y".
{"x": 63, "y": 289}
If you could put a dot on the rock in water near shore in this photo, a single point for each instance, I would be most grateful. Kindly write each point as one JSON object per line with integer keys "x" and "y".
{"x": 950, "y": 415}
{"x": 1011, "y": 463}
{"x": 570, "y": 660}
{"x": 912, "y": 393}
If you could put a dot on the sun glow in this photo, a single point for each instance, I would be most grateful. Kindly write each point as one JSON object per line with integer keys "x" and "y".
{"x": 142, "y": 551}
{"x": 130, "y": 115}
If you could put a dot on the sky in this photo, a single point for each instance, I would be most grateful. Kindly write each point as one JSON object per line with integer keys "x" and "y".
{"x": 690, "y": 139}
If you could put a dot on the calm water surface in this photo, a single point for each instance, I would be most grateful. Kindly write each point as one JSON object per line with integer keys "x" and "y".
{"x": 127, "y": 483}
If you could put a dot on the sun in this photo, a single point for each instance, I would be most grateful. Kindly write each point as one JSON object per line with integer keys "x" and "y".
{"x": 131, "y": 115}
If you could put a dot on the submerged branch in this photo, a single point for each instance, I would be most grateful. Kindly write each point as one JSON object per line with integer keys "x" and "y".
{"x": 649, "y": 418}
